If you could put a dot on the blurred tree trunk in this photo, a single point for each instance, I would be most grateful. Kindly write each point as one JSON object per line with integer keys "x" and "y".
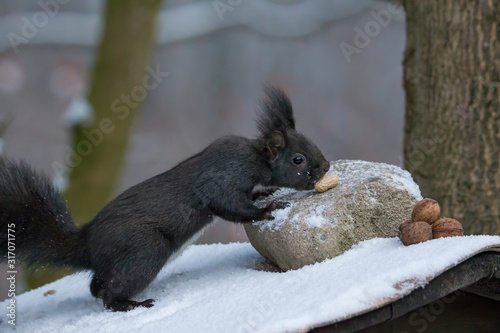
{"x": 117, "y": 89}
{"x": 99, "y": 150}
{"x": 452, "y": 133}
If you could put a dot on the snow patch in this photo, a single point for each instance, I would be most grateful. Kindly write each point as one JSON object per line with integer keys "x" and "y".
{"x": 351, "y": 173}
{"x": 315, "y": 217}
{"x": 78, "y": 112}
{"x": 357, "y": 168}
{"x": 214, "y": 289}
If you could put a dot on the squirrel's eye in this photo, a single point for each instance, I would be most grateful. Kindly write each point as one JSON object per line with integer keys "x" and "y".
{"x": 298, "y": 160}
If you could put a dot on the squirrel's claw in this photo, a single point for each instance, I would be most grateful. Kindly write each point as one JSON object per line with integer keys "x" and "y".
{"x": 274, "y": 205}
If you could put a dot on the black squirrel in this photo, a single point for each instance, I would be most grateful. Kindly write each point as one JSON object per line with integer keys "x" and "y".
{"x": 128, "y": 242}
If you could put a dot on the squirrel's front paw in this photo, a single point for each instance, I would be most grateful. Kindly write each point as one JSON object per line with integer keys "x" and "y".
{"x": 281, "y": 204}
{"x": 274, "y": 206}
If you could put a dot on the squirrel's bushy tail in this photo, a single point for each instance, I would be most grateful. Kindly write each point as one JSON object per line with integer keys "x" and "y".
{"x": 35, "y": 222}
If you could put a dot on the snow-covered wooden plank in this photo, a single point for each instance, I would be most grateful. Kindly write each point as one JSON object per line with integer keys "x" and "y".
{"x": 216, "y": 288}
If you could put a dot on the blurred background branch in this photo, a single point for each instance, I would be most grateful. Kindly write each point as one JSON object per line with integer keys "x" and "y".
{"x": 94, "y": 163}
{"x": 120, "y": 69}
{"x": 189, "y": 20}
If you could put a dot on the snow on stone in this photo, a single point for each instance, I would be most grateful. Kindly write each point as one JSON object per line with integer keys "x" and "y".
{"x": 215, "y": 288}
{"x": 350, "y": 173}
{"x": 379, "y": 170}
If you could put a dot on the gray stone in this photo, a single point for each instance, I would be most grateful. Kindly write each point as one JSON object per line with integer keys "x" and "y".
{"x": 371, "y": 200}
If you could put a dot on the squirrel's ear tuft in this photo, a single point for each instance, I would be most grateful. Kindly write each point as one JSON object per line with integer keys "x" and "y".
{"x": 276, "y": 112}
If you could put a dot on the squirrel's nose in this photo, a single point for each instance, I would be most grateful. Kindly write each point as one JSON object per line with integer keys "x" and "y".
{"x": 326, "y": 167}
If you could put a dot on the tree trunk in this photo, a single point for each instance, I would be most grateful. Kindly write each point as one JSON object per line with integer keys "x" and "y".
{"x": 116, "y": 91}
{"x": 452, "y": 133}
{"x": 99, "y": 150}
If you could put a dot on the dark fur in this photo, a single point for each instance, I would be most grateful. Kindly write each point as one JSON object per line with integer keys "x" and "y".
{"x": 132, "y": 237}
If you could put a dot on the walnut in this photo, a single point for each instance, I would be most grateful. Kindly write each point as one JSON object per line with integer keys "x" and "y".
{"x": 446, "y": 227}
{"x": 403, "y": 225}
{"x": 426, "y": 210}
{"x": 415, "y": 232}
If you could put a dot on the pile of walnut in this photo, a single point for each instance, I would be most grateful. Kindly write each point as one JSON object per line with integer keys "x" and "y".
{"x": 425, "y": 224}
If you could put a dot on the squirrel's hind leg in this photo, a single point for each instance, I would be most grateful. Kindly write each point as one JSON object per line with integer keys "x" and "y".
{"x": 116, "y": 287}
{"x": 115, "y": 292}
{"x": 127, "y": 304}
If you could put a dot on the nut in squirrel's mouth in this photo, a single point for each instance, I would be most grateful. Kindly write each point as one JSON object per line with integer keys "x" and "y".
{"x": 326, "y": 183}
